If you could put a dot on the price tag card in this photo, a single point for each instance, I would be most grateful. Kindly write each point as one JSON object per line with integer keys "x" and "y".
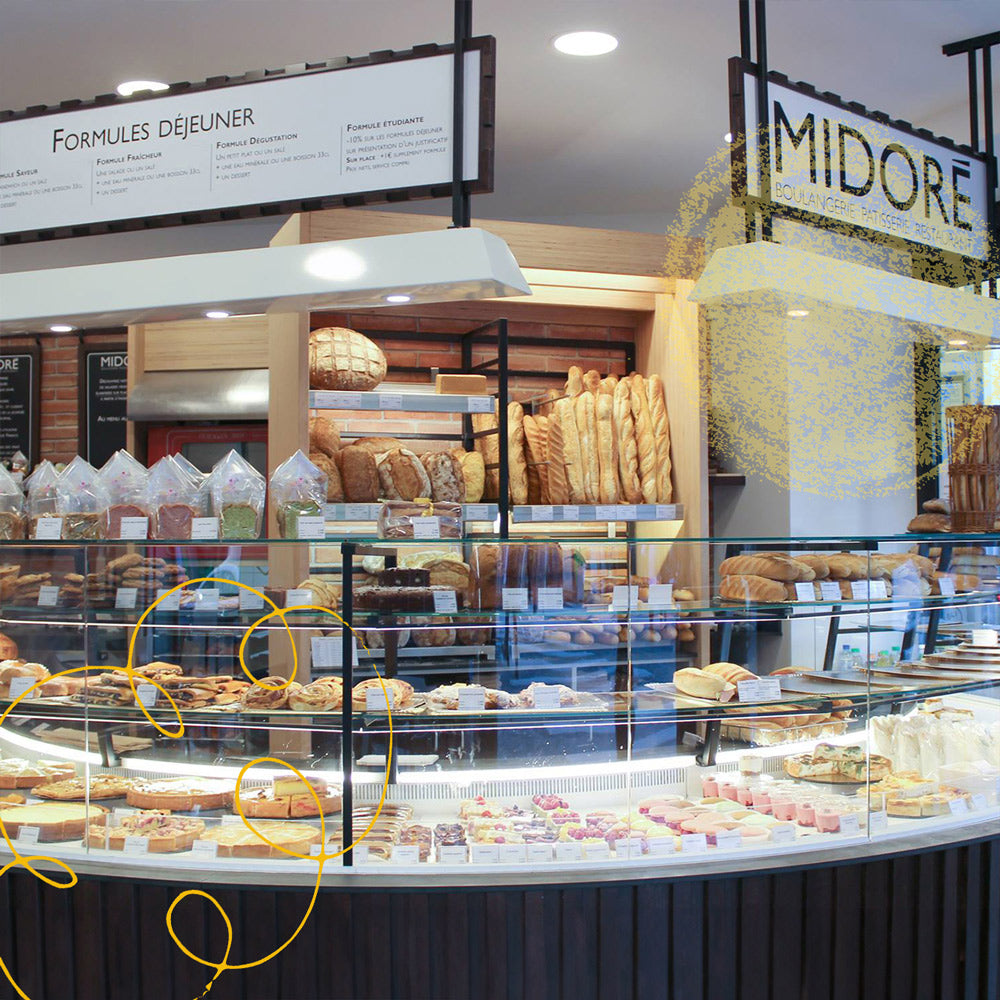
{"x": 405, "y": 854}
{"x": 359, "y": 853}
{"x": 830, "y": 590}
{"x": 627, "y": 512}
{"x": 761, "y": 689}
{"x": 171, "y": 603}
{"x": 485, "y": 854}
{"x": 48, "y": 597}
{"x": 390, "y": 400}
{"x": 137, "y": 845}
{"x": 878, "y": 822}
{"x": 472, "y": 699}
{"x": 783, "y": 833}
{"x": 208, "y": 600}
{"x": 445, "y": 602}
{"x": 228, "y": 820}
{"x": 539, "y": 853}
{"x": 125, "y": 598}
{"x": 206, "y": 849}
{"x": 297, "y": 596}
{"x": 19, "y": 685}
{"x": 978, "y": 801}
{"x": 146, "y": 694}
{"x": 878, "y": 591}
{"x": 542, "y": 512}
{"x": 606, "y": 512}
{"x": 661, "y": 846}
{"x": 314, "y": 850}
{"x": 27, "y": 836}
{"x": 481, "y": 404}
{"x": 624, "y": 598}
{"x": 251, "y": 602}
{"x": 453, "y": 854}
{"x": 571, "y": 851}
{"x": 630, "y": 848}
{"x": 118, "y": 814}
{"x": 694, "y": 843}
{"x": 326, "y": 400}
{"x": 328, "y": 651}
{"x": 548, "y": 697}
{"x": 477, "y": 512}
{"x": 947, "y": 586}
{"x": 358, "y": 511}
{"x": 860, "y": 590}
{"x": 958, "y": 807}
{"x": 728, "y": 840}
{"x": 205, "y": 529}
{"x": 666, "y": 512}
{"x": 570, "y": 512}
{"x": 515, "y": 598}
{"x": 661, "y": 595}
{"x": 513, "y": 854}
{"x": 550, "y": 599}
{"x": 427, "y": 527}
{"x": 849, "y": 825}
{"x": 311, "y": 528}
{"x": 375, "y": 700}
{"x": 598, "y": 851}
{"x": 136, "y": 528}
{"x": 985, "y": 637}
{"x": 805, "y": 592}
{"x": 48, "y": 529}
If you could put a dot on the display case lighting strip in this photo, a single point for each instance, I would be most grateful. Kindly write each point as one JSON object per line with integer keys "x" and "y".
{"x": 48, "y": 749}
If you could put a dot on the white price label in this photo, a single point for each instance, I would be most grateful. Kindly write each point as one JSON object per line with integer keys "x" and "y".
{"x": 761, "y": 689}
{"x": 137, "y": 845}
{"x": 375, "y": 700}
{"x": 171, "y": 603}
{"x": 513, "y": 854}
{"x": 445, "y": 602}
{"x": 958, "y": 807}
{"x": 548, "y": 697}
{"x": 947, "y": 586}
{"x": 311, "y": 528}
{"x": 860, "y": 590}
{"x": 606, "y": 512}
{"x": 205, "y": 849}
{"x": 985, "y": 637}
{"x": 694, "y": 843}
{"x": 208, "y": 600}
{"x": 359, "y": 511}
{"x": 829, "y": 590}
{"x": 19, "y": 685}
{"x": 328, "y": 651}
{"x": 405, "y": 854}
{"x": 251, "y": 602}
{"x": 597, "y": 851}
{"x": 146, "y": 694}
{"x": 539, "y": 853}
{"x": 804, "y": 592}
{"x": 783, "y": 833}
{"x": 542, "y": 512}
{"x": 666, "y": 512}
{"x": 118, "y": 814}
{"x": 342, "y": 400}
{"x": 978, "y": 801}
{"x": 878, "y": 822}
{"x": 728, "y": 840}
{"x": 472, "y": 699}
{"x": 477, "y": 512}
{"x": 27, "y": 836}
{"x": 48, "y": 597}
{"x": 878, "y": 591}
{"x": 296, "y": 596}
{"x": 453, "y": 854}
{"x": 314, "y": 850}
{"x": 631, "y": 848}
{"x": 125, "y": 598}
{"x": 134, "y": 528}
{"x": 205, "y": 529}
{"x": 485, "y": 854}
{"x": 849, "y": 825}
{"x": 48, "y": 529}
{"x": 571, "y": 851}
{"x": 481, "y": 404}
{"x": 390, "y": 400}
{"x": 660, "y": 846}
{"x": 661, "y": 595}
{"x": 627, "y": 512}
{"x": 427, "y": 527}
{"x": 570, "y": 512}
{"x": 550, "y": 599}
{"x": 360, "y": 854}
{"x": 514, "y": 598}
{"x": 624, "y": 598}
{"x": 229, "y": 820}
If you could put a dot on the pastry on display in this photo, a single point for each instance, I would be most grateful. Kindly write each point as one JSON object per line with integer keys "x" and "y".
{"x": 324, "y": 593}
{"x": 420, "y": 836}
{"x": 702, "y": 684}
{"x": 567, "y": 696}
{"x": 11, "y": 670}
{"x": 163, "y": 832}
{"x": 835, "y": 764}
{"x": 288, "y": 797}
{"x": 179, "y": 794}
{"x": 398, "y": 691}
{"x": 8, "y": 648}
{"x": 236, "y": 841}
{"x": 405, "y": 519}
{"x": 447, "y": 697}
{"x": 268, "y": 694}
{"x": 101, "y": 786}
{"x": 53, "y": 820}
{"x": 16, "y": 772}
{"x": 323, "y": 695}
{"x": 343, "y": 359}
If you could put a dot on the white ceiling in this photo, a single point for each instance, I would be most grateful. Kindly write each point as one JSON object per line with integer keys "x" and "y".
{"x": 612, "y": 141}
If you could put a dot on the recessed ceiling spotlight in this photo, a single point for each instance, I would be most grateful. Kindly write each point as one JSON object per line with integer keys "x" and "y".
{"x": 728, "y": 137}
{"x": 398, "y": 299}
{"x": 797, "y": 313}
{"x": 586, "y": 43}
{"x": 217, "y": 314}
{"x": 61, "y": 328}
{"x": 958, "y": 343}
{"x": 130, "y": 87}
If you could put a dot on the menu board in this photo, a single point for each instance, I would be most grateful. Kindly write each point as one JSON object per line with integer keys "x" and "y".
{"x": 103, "y": 395}
{"x": 20, "y": 402}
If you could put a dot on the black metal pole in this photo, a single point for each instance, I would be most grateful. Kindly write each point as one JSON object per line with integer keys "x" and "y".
{"x": 346, "y": 712}
{"x": 973, "y": 101}
{"x": 991, "y": 163}
{"x": 763, "y": 119}
{"x": 745, "y": 30}
{"x": 502, "y": 388}
{"x": 460, "y": 215}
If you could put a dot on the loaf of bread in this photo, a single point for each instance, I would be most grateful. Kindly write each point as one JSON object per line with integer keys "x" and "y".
{"x": 745, "y": 588}
{"x": 574, "y": 381}
{"x": 485, "y": 563}
{"x": 607, "y": 450}
{"x": 323, "y": 436}
{"x": 845, "y": 566}
{"x": 444, "y": 470}
{"x": 344, "y": 359}
{"x": 402, "y": 476}
{"x": 701, "y": 684}
{"x": 535, "y": 433}
{"x": 555, "y": 452}
{"x": 816, "y": 563}
{"x": 592, "y": 380}
{"x": 568, "y": 437}
{"x": 644, "y": 438}
{"x": 378, "y": 445}
{"x": 489, "y": 447}
{"x": 628, "y": 453}
{"x": 768, "y": 565}
{"x": 937, "y": 506}
{"x": 517, "y": 465}
{"x": 608, "y": 385}
{"x": 661, "y": 433}
{"x": 473, "y": 472}
{"x": 584, "y": 407}
{"x": 930, "y": 523}
{"x": 359, "y": 475}
{"x": 327, "y": 465}
{"x": 731, "y": 672}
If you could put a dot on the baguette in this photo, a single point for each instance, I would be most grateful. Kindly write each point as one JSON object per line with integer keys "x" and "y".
{"x": 565, "y": 416}
{"x": 555, "y": 452}
{"x": 771, "y": 567}
{"x": 574, "y": 381}
{"x": 751, "y": 588}
{"x": 608, "y": 385}
{"x": 607, "y": 450}
{"x": 700, "y": 684}
{"x": 645, "y": 439}
{"x": 816, "y": 563}
{"x": 585, "y": 411}
{"x": 516, "y": 464}
{"x": 534, "y": 439}
{"x": 628, "y": 456}
{"x": 661, "y": 433}
{"x": 489, "y": 447}
{"x": 592, "y": 380}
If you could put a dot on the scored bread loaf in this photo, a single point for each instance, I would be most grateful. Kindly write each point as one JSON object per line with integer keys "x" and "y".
{"x": 586, "y": 425}
{"x": 731, "y": 672}
{"x": 644, "y": 438}
{"x": 377, "y": 445}
{"x": 569, "y": 436}
{"x": 751, "y": 588}
{"x": 359, "y": 475}
{"x": 402, "y": 476}
{"x": 607, "y": 450}
{"x": 517, "y": 465}
{"x": 323, "y": 436}
{"x": 816, "y": 563}
{"x": 845, "y": 566}
{"x": 771, "y": 566}
{"x": 444, "y": 470}
{"x": 555, "y": 450}
{"x": 473, "y": 472}
{"x": 489, "y": 447}
{"x": 344, "y": 359}
{"x": 661, "y": 434}
{"x": 608, "y": 385}
{"x": 628, "y": 454}
{"x": 535, "y": 434}
{"x": 592, "y": 380}
{"x": 327, "y": 465}
{"x": 574, "y": 381}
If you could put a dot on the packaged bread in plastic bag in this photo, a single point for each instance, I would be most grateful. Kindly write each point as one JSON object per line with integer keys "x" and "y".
{"x": 237, "y": 492}
{"x": 12, "y": 520}
{"x": 82, "y": 501}
{"x": 172, "y": 497}
{"x": 127, "y": 483}
{"x": 298, "y": 490}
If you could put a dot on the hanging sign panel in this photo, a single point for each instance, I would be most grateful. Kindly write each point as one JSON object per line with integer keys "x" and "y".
{"x": 20, "y": 403}
{"x": 836, "y": 165}
{"x": 103, "y": 393}
{"x": 368, "y": 131}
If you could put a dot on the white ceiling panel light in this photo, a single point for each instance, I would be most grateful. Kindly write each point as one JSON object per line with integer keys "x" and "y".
{"x": 398, "y": 300}
{"x": 437, "y": 266}
{"x": 129, "y": 87}
{"x": 61, "y": 328}
{"x": 217, "y": 314}
{"x": 585, "y": 43}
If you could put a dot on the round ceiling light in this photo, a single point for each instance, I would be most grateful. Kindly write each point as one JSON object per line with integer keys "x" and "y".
{"x": 958, "y": 342}
{"x": 797, "y": 313}
{"x": 217, "y": 314}
{"x": 61, "y": 328}
{"x": 586, "y": 43}
{"x": 130, "y": 87}
{"x": 398, "y": 299}
{"x": 728, "y": 137}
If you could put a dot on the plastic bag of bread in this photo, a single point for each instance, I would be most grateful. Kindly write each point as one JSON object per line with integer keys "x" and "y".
{"x": 298, "y": 490}
{"x": 419, "y": 519}
{"x": 199, "y": 481}
{"x": 82, "y": 501}
{"x": 238, "y": 492}
{"x": 12, "y": 522}
{"x": 127, "y": 483}
{"x": 343, "y": 359}
{"x": 171, "y": 499}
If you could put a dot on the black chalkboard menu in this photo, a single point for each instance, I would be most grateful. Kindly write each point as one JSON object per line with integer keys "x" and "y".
{"x": 103, "y": 392}
{"x": 20, "y": 402}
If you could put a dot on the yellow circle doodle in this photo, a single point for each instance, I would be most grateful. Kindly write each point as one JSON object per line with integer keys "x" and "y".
{"x": 223, "y": 965}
